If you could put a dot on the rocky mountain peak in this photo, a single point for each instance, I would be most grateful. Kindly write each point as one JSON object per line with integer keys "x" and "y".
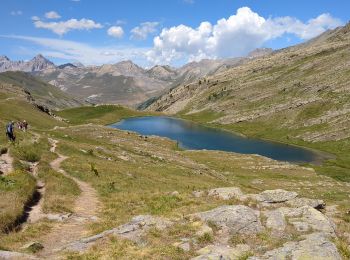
{"x": 4, "y": 58}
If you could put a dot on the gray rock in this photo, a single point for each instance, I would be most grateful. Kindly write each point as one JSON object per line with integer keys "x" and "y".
{"x": 197, "y": 193}
{"x": 58, "y": 217}
{"x": 315, "y": 246}
{"x": 275, "y": 220}
{"x": 308, "y": 216}
{"x": 275, "y": 196}
{"x": 226, "y": 193}
{"x": 184, "y": 245}
{"x": 299, "y": 202}
{"x": 174, "y": 193}
{"x": 134, "y": 230}
{"x": 219, "y": 252}
{"x": 237, "y": 219}
{"x": 10, "y": 255}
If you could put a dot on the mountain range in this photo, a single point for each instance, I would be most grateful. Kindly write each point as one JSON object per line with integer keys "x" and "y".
{"x": 122, "y": 83}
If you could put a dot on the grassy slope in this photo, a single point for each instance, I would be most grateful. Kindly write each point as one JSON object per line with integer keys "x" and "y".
{"x": 17, "y": 188}
{"x": 40, "y": 90}
{"x": 102, "y": 114}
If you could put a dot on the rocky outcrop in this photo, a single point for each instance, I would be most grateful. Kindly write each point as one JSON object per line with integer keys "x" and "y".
{"x": 222, "y": 252}
{"x": 226, "y": 193}
{"x": 276, "y": 196}
{"x": 314, "y": 247}
{"x": 236, "y": 219}
{"x": 134, "y": 230}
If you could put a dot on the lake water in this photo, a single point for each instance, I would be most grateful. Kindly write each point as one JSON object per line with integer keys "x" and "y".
{"x": 195, "y": 136}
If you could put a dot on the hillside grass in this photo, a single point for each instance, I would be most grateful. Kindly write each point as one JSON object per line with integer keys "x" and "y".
{"x": 16, "y": 189}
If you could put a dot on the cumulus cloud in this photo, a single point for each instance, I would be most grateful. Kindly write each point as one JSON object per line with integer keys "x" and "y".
{"x": 233, "y": 36}
{"x": 82, "y": 52}
{"x": 143, "y": 30}
{"x": 63, "y": 27}
{"x": 15, "y": 13}
{"x": 52, "y": 15}
{"x": 115, "y": 31}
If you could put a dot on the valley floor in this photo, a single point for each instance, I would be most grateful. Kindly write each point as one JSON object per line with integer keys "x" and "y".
{"x": 112, "y": 194}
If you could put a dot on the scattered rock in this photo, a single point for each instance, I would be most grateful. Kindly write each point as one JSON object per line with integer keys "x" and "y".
{"x": 218, "y": 252}
{"x": 226, "y": 193}
{"x": 197, "y": 193}
{"x": 124, "y": 158}
{"x": 33, "y": 247}
{"x": 237, "y": 219}
{"x": 276, "y": 196}
{"x": 315, "y": 246}
{"x": 184, "y": 244}
{"x": 58, "y": 217}
{"x": 174, "y": 193}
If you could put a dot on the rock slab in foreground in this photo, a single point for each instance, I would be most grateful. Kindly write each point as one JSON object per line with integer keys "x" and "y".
{"x": 134, "y": 230}
{"x": 237, "y": 219}
{"x": 10, "y": 255}
{"x": 315, "y": 246}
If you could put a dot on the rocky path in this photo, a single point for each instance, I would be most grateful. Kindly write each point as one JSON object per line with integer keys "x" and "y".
{"x": 75, "y": 226}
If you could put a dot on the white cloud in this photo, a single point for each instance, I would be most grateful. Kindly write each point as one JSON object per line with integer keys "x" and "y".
{"x": 15, "y": 13}
{"x": 35, "y": 18}
{"x": 143, "y": 30}
{"x": 233, "y": 36}
{"x": 188, "y": 1}
{"x": 63, "y": 27}
{"x": 52, "y": 15}
{"x": 115, "y": 31}
{"x": 84, "y": 53}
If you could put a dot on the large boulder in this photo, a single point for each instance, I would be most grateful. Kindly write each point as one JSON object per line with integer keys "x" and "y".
{"x": 133, "y": 230}
{"x": 226, "y": 193}
{"x": 219, "y": 252}
{"x": 307, "y": 218}
{"x": 276, "y": 196}
{"x": 315, "y": 246}
{"x": 237, "y": 219}
{"x": 300, "y": 202}
{"x": 275, "y": 220}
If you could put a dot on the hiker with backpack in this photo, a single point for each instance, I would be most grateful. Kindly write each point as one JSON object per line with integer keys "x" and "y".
{"x": 10, "y": 131}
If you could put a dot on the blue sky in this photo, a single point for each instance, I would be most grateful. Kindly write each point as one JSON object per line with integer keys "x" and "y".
{"x": 159, "y": 32}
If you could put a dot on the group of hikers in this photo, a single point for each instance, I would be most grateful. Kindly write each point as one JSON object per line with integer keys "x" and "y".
{"x": 10, "y": 129}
